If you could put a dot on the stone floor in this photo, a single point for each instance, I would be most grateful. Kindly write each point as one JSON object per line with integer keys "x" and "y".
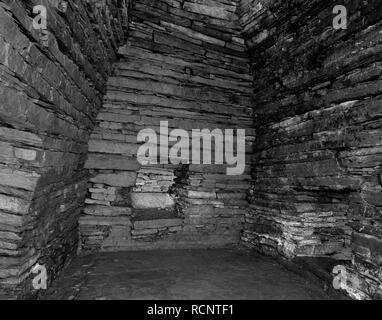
{"x": 181, "y": 274}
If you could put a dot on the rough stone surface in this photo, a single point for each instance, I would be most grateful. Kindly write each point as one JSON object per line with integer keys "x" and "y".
{"x": 227, "y": 274}
{"x": 185, "y": 63}
{"x": 51, "y": 87}
{"x": 317, "y": 164}
{"x": 74, "y": 97}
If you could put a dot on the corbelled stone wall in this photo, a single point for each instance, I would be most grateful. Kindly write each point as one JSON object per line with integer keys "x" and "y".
{"x": 318, "y": 120}
{"x": 185, "y": 62}
{"x": 51, "y": 86}
{"x": 316, "y": 178}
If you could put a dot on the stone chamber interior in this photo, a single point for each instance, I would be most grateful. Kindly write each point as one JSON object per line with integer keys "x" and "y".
{"x": 75, "y": 95}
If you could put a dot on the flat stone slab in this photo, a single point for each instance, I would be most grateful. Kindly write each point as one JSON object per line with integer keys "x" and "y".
{"x": 123, "y": 179}
{"x": 156, "y": 224}
{"x": 107, "y": 211}
{"x": 152, "y": 200}
{"x": 104, "y": 221}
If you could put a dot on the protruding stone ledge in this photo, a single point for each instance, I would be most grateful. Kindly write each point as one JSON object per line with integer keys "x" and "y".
{"x": 152, "y": 200}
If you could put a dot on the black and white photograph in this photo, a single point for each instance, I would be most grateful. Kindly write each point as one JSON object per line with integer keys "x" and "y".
{"x": 190, "y": 157}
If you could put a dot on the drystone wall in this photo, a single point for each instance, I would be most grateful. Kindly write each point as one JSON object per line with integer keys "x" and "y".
{"x": 185, "y": 63}
{"x": 318, "y": 117}
{"x": 51, "y": 86}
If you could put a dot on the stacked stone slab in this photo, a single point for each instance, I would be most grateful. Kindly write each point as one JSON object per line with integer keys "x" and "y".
{"x": 317, "y": 160}
{"x": 152, "y": 179}
{"x": 210, "y": 201}
{"x": 51, "y": 85}
{"x": 316, "y": 188}
{"x": 184, "y": 63}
